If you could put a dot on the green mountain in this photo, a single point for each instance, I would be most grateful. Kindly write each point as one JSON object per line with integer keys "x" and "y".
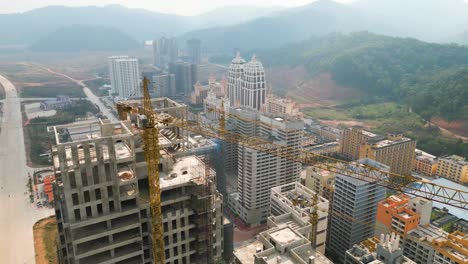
{"x": 431, "y": 78}
{"x": 85, "y": 38}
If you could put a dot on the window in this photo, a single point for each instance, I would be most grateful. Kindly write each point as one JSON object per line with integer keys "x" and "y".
{"x": 77, "y": 214}
{"x": 75, "y": 199}
{"x": 99, "y": 209}
{"x": 110, "y": 192}
{"x": 86, "y": 196}
{"x": 111, "y": 206}
{"x": 88, "y": 211}
{"x": 97, "y": 192}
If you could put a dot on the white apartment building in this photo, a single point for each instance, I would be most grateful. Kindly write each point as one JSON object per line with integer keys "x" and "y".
{"x": 124, "y": 75}
{"x": 258, "y": 172}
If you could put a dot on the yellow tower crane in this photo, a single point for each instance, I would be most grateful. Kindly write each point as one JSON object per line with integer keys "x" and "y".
{"x": 151, "y": 147}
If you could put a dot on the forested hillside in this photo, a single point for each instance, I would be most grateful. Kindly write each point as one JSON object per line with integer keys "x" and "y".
{"x": 431, "y": 78}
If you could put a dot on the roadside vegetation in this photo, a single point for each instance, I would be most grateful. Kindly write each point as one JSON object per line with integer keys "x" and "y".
{"x": 52, "y": 90}
{"x": 36, "y": 130}
{"x": 95, "y": 86}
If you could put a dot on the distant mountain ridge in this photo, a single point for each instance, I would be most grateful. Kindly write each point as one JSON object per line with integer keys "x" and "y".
{"x": 140, "y": 24}
{"x": 79, "y": 38}
{"x": 428, "y": 20}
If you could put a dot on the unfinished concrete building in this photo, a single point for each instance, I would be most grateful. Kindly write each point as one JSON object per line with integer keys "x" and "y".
{"x": 287, "y": 240}
{"x": 297, "y": 199}
{"x": 102, "y": 189}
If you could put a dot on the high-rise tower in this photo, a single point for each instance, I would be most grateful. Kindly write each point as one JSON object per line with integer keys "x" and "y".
{"x": 253, "y": 88}
{"x": 124, "y": 76}
{"x": 235, "y": 73}
{"x": 165, "y": 51}
{"x": 194, "y": 50}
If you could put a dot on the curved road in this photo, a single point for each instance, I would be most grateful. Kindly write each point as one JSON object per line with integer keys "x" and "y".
{"x": 17, "y": 215}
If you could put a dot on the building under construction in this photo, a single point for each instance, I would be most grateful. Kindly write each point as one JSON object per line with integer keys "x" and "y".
{"x": 102, "y": 197}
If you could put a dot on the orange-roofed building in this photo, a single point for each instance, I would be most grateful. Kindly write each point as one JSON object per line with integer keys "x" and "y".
{"x": 393, "y": 215}
{"x": 48, "y": 189}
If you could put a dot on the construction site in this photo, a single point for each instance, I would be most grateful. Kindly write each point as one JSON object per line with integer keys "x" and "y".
{"x": 104, "y": 212}
{"x": 145, "y": 189}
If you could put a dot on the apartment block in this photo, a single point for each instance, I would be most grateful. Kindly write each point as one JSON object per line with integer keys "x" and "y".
{"x": 451, "y": 250}
{"x": 454, "y": 168}
{"x": 320, "y": 181}
{"x": 165, "y": 51}
{"x": 395, "y": 151}
{"x": 124, "y": 75}
{"x": 298, "y": 200}
{"x": 285, "y": 241}
{"x": 354, "y": 207}
{"x": 163, "y": 85}
{"x": 279, "y": 105}
{"x": 258, "y": 172}
{"x": 387, "y": 250}
{"x": 425, "y": 163}
{"x": 394, "y": 216}
{"x": 417, "y": 245}
{"x": 352, "y": 139}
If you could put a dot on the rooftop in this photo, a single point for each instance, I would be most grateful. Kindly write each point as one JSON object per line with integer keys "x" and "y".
{"x": 185, "y": 170}
{"x": 455, "y": 159}
{"x": 389, "y": 142}
{"x": 458, "y": 212}
{"x": 245, "y": 254}
{"x": 284, "y": 236}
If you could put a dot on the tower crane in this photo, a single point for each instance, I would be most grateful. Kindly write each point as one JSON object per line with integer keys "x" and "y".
{"x": 151, "y": 148}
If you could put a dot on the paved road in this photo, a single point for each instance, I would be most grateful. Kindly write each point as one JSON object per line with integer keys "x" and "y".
{"x": 93, "y": 98}
{"x": 17, "y": 215}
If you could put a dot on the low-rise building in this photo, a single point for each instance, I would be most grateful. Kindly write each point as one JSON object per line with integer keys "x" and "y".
{"x": 387, "y": 250}
{"x": 394, "y": 216}
{"x": 452, "y": 249}
{"x": 425, "y": 163}
{"x": 395, "y": 151}
{"x": 60, "y": 102}
{"x": 417, "y": 245}
{"x": 454, "y": 168}
{"x": 298, "y": 200}
{"x": 280, "y": 105}
{"x": 286, "y": 241}
{"x": 328, "y": 148}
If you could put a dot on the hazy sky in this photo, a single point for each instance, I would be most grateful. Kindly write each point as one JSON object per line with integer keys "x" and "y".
{"x": 182, "y": 7}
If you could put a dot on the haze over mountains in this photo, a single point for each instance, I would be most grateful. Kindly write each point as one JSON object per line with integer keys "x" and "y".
{"x": 248, "y": 28}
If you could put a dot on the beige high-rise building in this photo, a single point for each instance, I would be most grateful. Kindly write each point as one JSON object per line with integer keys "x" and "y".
{"x": 395, "y": 151}
{"x": 454, "y": 168}
{"x": 352, "y": 139}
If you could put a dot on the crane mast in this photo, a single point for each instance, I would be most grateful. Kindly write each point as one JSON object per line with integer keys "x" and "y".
{"x": 151, "y": 147}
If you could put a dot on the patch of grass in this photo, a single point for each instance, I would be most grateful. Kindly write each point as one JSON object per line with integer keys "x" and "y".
{"x": 327, "y": 114}
{"x": 52, "y": 90}
{"x": 50, "y": 242}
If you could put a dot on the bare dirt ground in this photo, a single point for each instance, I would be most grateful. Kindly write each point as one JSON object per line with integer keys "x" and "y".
{"x": 45, "y": 235}
{"x": 337, "y": 123}
{"x": 321, "y": 91}
{"x": 457, "y": 128}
